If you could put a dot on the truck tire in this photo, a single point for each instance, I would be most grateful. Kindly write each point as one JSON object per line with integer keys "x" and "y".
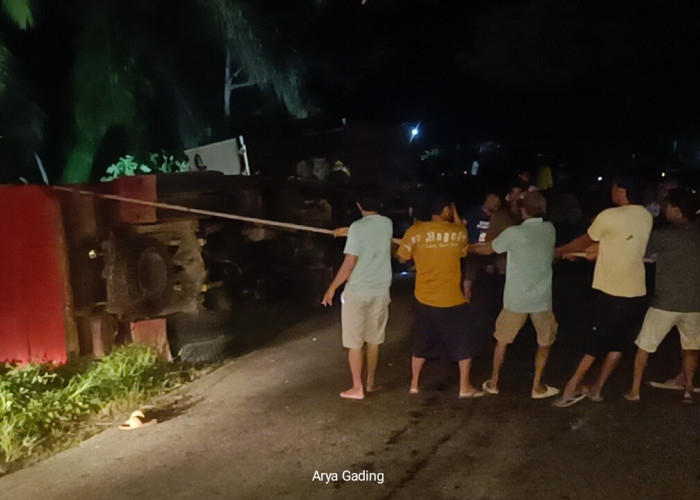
{"x": 200, "y": 338}
{"x": 140, "y": 280}
{"x": 208, "y": 351}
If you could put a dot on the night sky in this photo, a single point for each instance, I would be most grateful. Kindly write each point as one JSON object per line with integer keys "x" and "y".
{"x": 612, "y": 77}
{"x": 579, "y": 79}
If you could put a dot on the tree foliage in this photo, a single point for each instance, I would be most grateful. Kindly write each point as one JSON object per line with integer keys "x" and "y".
{"x": 5, "y": 57}
{"x": 261, "y": 67}
{"x": 20, "y": 12}
{"x": 21, "y": 120}
{"x": 106, "y": 83}
{"x": 142, "y": 72}
{"x": 116, "y": 69}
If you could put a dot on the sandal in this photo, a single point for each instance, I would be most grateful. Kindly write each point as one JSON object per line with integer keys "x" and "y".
{"x": 135, "y": 421}
{"x": 564, "y": 402}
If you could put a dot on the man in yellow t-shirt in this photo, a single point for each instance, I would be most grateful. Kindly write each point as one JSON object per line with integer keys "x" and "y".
{"x": 622, "y": 233}
{"x": 436, "y": 248}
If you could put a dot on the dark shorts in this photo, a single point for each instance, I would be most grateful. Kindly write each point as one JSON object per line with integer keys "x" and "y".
{"x": 442, "y": 332}
{"x": 616, "y": 322}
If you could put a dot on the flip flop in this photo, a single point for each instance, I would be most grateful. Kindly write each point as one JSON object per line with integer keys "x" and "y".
{"x": 671, "y": 385}
{"x": 471, "y": 395}
{"x": 135, "y": 421}
{"x": 563, "y": 402}
{"x": 548, "y": 393}
{"x": 586, "y": 391}
{"x": 487, "y": 389}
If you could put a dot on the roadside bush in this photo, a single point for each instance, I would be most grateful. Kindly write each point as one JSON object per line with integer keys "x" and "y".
{"x": 40, "y": 405}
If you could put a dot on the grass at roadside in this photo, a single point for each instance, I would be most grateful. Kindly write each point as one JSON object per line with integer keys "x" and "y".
{"x": 41, "y": 407}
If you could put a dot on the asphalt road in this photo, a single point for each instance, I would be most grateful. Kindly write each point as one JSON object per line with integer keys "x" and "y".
{"x": 270, "y": 424}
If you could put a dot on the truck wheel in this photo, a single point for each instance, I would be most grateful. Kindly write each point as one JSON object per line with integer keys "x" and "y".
{"x": 142, "y": 276}
{"x": 203, "y": 337}
{"x": 208, "y": 351}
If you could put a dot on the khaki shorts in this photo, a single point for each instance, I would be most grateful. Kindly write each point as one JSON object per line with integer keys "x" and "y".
{"x": 657, "y": 324}
{"x": 509, "y": 323}
{"x": 363, "y": 319}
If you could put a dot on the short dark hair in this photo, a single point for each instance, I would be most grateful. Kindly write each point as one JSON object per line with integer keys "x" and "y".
{"x": 369, "y": 197}
{"x": 633, "y": 184}
{"x": 534, "y": 203}
{"x": 683, "y": 200}
{"x": 438, "y": 201}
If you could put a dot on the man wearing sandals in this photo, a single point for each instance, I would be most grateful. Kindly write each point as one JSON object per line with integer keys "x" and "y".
{"x": 676, "y": 301}
{"x": 622, "y": 233}
{"x": 440, "y": 330}
{"x": 528, "y": 289}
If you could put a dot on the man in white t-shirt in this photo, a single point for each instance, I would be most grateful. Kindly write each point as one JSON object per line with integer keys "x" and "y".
{"x": 365, "y": 299}
{"x": 622, "y": 233}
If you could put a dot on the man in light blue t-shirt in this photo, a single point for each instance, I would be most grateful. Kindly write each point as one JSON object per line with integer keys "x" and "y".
{"x": 528, "y": 289}
{"x": 365, "y": 299}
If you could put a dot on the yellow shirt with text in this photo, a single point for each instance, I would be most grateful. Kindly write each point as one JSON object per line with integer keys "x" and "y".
{"x": 436, "y": 249}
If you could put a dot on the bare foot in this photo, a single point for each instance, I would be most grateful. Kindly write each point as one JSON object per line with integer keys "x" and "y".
{"x": 631, "y": 396}
{"x": 353, "y": 394}
{"x": 413, "y": 390}
{"x": 372, "y": 388}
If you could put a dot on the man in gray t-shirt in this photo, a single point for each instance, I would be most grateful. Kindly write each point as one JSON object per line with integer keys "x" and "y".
{"x": 676, "y": 300}
{"x": 365, "y": 300}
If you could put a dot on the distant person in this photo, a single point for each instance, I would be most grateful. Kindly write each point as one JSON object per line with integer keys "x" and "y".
{"x": 478, "y": 224}
{"x": 479, "y": 218}
{"x": 528, "y": 289}
{"x": 676, "y": 301}
{"x": 339, "y": 174}
{"x": 545, "y": 179}
{"x": 566, "y": 214}
{"x": 436, "y": 247}
{"x": 506, "y": 215}
{"x": 483, "y": 276}
{"x": 622, "y": 233}
{"x": 365, "y": 299}
{"x": 657, "y": 204}
{"x": 525, "y": 180}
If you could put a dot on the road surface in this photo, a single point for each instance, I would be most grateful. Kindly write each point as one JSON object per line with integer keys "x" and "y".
{"x": 270, "y": 424}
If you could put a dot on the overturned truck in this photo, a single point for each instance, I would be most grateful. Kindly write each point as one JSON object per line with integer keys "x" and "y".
{"x": 156, "y": 259}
